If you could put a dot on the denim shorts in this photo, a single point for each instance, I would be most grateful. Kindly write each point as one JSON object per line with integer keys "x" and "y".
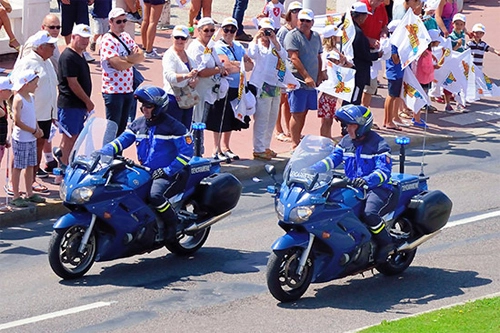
{"x": 301, "y": 100}
{"x": 71, "y": 119}
{"x": 394, "y": 87}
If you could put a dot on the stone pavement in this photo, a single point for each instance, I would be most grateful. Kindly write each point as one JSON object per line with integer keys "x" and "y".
{"x": 484, "y": 116}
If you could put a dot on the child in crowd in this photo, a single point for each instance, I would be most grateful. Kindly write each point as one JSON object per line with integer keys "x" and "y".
{"x": 26, "y": 132}
{"x": 478, "y": 47}
{"x": 458, "y": 44}
{"x": 5, "y": 93}
{"x": 327, "y": 104}
{"x": 275, "y": 10}
{"x": 100, "y": 21}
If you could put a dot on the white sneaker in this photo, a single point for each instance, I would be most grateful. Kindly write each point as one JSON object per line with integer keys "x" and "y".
{"x": 152, "y": 55}
{"x": 88, "y": 57}
{"x": 134, "y": 18}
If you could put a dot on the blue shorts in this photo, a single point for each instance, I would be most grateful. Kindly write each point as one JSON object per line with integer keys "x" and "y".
{"x": 71, "y": 119}
{"x": 394, "y": 87}
{"x": 301, "y": 100}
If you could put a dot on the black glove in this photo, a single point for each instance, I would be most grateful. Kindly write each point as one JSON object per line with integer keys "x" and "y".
{"x": 159, "y": 173}
{"x": 129, "y": 161}
{"x": 358, "y": 182}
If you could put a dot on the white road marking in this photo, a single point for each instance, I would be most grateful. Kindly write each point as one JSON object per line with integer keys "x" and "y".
{"x": 473, "y": 219}
{"x": 54, "y": 315}
{"x": 474, "y": 117}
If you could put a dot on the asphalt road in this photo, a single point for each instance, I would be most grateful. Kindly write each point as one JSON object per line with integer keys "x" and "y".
{"x": 222, "y": 287}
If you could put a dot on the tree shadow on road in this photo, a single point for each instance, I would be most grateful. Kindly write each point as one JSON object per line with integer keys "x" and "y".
{"x": 379, "y": 293}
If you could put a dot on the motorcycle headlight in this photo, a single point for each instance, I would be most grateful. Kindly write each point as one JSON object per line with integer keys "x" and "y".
{"x": 63, "y": 190}
{"x": 301, "y": 214}
{"x": 82, "y": 194}
{"x": 280, "y": 210}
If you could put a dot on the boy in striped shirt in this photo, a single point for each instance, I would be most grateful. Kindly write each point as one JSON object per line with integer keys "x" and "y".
{"x": 478, "y": 46}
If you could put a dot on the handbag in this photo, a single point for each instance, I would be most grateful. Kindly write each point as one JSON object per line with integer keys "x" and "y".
{"x": 138, "y": 78}
{"x": 186, "y": 96}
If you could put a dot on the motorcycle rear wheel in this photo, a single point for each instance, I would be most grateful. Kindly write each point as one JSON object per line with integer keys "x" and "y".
{"x": 398, "y": 262}
{"x": 282, "y": 279}
{"x": 188, "y": 244}
{"x": 64, "y": 258}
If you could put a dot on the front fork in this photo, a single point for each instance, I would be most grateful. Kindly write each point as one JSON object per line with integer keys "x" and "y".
{"x": 86, "y": 235}
{"x": 305, "y": 254}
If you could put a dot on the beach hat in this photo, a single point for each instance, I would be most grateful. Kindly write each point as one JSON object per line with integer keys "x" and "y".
{"x": 393, "y": 25}
{"x": 478, "y": 27}
{"x": 332, "y": 30}
{"x": 82, "y": 30}
{"x": 5, "y": 83}
{"x": 205, "y": 21}
{"x": 229, "y": 21}
{"x": 266, "y": 23}
{"x": 180, "y": 31}
{"x": 43, "y": 37}
{"x": 360, "y": 7}
{"x": 22, "y": 77}
{"x": 306, "y": 14}
{"x": 116, "y": 12}
{"x": 459, "y": 17}
{"x": 435, "y": 36}
{"x": 431, "y": 4}
{"x": 294, "y": 5}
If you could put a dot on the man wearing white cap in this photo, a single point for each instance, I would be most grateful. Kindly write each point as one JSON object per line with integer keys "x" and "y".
{"x": 304, "y": 50}
{"x": 119, "y": 53}
{"x": 46, "y": 91}
{"x": 75, "y": 87}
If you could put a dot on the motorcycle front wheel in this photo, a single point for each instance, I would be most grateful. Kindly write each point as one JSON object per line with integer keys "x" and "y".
{"x": 283, "y": 281}
{"x": 188, "y": 244}
{"x": 65, "y": 259}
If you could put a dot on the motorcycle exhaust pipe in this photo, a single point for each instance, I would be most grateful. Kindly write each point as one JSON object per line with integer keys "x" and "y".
{"x": 418, "y": 242}
{"x": 207, "y": 223}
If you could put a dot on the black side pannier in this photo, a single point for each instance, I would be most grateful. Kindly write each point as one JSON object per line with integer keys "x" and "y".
{"x": 430, "y": 210}
{"x": 218, "y": 193}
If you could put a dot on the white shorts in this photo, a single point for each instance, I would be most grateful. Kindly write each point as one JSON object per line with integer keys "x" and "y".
{"x": 100, "y": 25}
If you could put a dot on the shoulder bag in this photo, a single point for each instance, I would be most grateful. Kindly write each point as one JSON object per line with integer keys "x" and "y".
{"x": 138, "y": 77}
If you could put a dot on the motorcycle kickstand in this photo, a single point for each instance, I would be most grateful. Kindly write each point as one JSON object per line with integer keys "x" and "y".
{"x": 86, "y": 235}
{"x": 305, "y": 255}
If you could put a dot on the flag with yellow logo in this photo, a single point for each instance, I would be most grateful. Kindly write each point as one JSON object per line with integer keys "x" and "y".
{"x": 412, "y": 92}
{"x": 340, "y": 81}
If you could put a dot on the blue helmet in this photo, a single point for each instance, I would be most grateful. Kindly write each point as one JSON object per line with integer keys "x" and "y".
{"x": 356, "y": 114}
{"x": 153, "y": 96}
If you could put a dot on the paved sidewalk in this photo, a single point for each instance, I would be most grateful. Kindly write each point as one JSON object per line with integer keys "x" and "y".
{"x": 484, "y": 115}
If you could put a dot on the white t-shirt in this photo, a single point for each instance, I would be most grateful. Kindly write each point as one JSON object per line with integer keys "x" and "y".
{"x": 274, "y": 12}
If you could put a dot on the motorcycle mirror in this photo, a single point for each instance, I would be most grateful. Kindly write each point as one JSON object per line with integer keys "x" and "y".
{"x": 270, "y": 169}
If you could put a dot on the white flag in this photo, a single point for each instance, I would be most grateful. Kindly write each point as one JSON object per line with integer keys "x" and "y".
{"x": 455, "y": 79}
{"x": 277, "y": 73}
{"x": 348, "y": 34}
{"x": 238, "y": 104}
{"x": 411, "y": 38}
{"x": 412, "y": 92}
{"x": 321, "y": 21}
{"x": 340, "y": 81}
{"x": 486, "y": 87}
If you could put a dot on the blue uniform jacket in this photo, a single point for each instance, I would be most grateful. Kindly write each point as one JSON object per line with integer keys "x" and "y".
{"x": 369, "y": 159}
{"x": 164, "y": 143}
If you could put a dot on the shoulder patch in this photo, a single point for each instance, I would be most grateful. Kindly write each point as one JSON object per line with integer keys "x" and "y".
{"x": 388, "y": 159}
{"x": 189, "y": 139}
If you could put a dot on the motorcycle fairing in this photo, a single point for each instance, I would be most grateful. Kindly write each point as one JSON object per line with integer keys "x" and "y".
{"x": 291, "y": 239}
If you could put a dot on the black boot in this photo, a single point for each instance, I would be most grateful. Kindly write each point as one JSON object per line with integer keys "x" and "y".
{"x": 170, "y": 218}
{"x": 385, "y": 246}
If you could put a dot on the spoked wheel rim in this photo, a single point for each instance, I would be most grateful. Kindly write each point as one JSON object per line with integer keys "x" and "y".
{"x": 69, "y": 256}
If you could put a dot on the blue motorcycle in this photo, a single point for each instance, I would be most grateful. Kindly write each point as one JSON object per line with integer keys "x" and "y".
{"x": 325, "y": 238}
{"x": 110, "y": 217}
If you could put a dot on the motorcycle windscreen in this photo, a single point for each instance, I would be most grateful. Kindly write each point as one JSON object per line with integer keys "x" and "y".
{"x": 95, "y": 134}
{"x": 312, "y": 148}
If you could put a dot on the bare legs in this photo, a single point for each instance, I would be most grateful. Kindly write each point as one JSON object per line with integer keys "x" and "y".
{"x": 151, "y": 16}
{"x": 297, "y": 122}
{"x": 5, "y": 22}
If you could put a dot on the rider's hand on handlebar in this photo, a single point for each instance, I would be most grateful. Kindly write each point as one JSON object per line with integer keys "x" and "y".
{"x": 129, "y": 161}
{"x": 359, "y": 182}
{"x": 159, "y": 173}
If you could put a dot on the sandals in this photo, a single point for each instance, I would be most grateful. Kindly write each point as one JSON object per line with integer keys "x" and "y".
{"x": 36, "y": 199}
{"x": 19, "y": 202}
{"x": 283, "y": 137}
{"x": 12, "y": 44}
{"x": 271, "y": 153}
{"x": 261, "y": 156}
{"x": 231, "y": 155}
{"x": 39, "y": 188}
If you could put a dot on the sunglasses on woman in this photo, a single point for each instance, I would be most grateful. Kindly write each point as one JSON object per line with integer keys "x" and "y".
{"x": 180, "y": 37}
{"x": 229, "y": 30}
{"x": 295, "y": 11}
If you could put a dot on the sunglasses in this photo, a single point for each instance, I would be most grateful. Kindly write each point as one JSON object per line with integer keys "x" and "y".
{"x": 304, "y": 20}
{"x": 295, "y": 11}
{"x": 121, "y": 21}
{"x": 229, "y": 31}
{"x": 180, "y": 37}
{"x": 52, "y": 27}
{"x": 208, "y": 30}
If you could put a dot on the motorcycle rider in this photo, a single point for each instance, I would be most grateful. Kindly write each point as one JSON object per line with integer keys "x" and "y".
{"x": 367, "y": 158}
{"x": 164, "y": 145}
